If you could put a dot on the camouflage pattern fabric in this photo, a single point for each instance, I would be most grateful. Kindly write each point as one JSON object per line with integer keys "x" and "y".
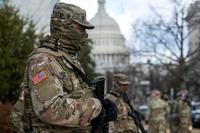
{"x": 173, "y": 117}
{"x": 57, "y": 100}
{"x": 16, "y": 116}
{"x": 124, "y": 123}
{"x": 158, "y": 110}
{"x": 184, "y": 112}
{"x": 59, "y": 97}
{"x": 65, "y": 14}
{"x": 181, "y": 112}
{"x": 63, "y": 27}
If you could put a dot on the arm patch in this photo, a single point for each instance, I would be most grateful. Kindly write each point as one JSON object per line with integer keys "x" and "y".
{"x": 39, "y": 77}
{"x": 46, "y": 90}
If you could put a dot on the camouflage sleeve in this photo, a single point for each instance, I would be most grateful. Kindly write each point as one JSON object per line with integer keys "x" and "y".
{"x": 51, "y": 104}
{"x": 167, "y": 117}
{"x": 167, "y": 108}
{"x": 148, "y": 111}
{"x": 16, "y": 122}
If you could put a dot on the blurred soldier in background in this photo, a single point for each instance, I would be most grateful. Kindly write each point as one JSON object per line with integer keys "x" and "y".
{"x": 165, "y": 97}
{"x": 150, "y": 97}
{"x": 173, "y": 116}
{"x": 184, "y": 112}
{"x": 180, "y": 116}
{"x": 158, "y": 110}
{"x": 124, "y": 122}
{"x": 55, "y": 97}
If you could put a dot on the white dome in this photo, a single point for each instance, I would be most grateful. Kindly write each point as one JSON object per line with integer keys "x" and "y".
{"x": 102, "y": 21}
{"x": 109, "y": 51}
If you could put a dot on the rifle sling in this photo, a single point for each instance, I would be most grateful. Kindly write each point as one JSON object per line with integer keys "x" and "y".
{"x": 80, "y": 73}
{"x": 126, "y": 99}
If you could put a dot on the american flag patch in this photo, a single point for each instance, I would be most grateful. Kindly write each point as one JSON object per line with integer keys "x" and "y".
{"x": 39, "y": 77}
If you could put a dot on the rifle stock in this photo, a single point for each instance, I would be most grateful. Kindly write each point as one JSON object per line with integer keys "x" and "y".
{"x": 109, "y": 106}
{"x": 99, "y": 85}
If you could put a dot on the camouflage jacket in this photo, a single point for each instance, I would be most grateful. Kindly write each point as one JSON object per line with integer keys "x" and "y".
{"x": 158, "y": 110}
{"x": 184, "y": 113}
{"x": 58, "y": 98}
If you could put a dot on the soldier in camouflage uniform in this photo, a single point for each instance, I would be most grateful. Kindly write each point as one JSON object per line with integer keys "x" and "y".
{"x": 158, "y": 110}
{"x": 124, "y": 123}
{"x": 54, "y": 97}
{"x": 173, "y": 116}
{"x": 150, "y": 97}
{"x": 184, "y": 112}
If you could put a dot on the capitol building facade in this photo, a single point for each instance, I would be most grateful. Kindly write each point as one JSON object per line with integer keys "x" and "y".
{"x": 109, "y": 51}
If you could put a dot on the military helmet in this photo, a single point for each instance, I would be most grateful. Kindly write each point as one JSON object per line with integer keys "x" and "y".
{"x": 155, "y": 92}
{"x": 165, "y": 97}
{"x": 121, "y": 79}
{"x": 67, "y": 13}
{"x": 183, "y": 94}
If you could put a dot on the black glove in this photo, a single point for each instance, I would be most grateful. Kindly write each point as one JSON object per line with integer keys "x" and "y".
{"x": 108, "y": 113}
{"x": 110, "y": 110}
{"x": 98, "y": 122}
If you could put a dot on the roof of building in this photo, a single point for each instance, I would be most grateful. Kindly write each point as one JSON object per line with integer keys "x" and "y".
{"x": 103, "y": 21}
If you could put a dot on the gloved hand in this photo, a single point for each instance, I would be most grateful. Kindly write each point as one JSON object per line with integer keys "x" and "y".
{"x": 110, "y": 110}
{"x": 98, "y": 122}
{"x": 108, "y": 113}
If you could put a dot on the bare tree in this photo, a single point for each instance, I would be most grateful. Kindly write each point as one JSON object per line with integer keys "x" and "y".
{"x": 166, "y": 38}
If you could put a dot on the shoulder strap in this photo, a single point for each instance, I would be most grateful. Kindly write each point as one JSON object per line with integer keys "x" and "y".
{"x": 80, "y": 73}
{"x": 113, "y": 94}
{"x": 126, "y": 99}
{"x": 134, "y": 114}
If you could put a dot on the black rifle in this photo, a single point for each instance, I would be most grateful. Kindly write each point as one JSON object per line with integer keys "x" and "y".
{"x": 110, "y": 109}
{"x": 135, "y": 115}
{"x": 98, "y": 84}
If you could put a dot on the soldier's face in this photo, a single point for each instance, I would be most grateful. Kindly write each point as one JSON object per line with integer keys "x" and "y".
{"x": 124, "y": 87}
{"x": 81, "y": 30}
